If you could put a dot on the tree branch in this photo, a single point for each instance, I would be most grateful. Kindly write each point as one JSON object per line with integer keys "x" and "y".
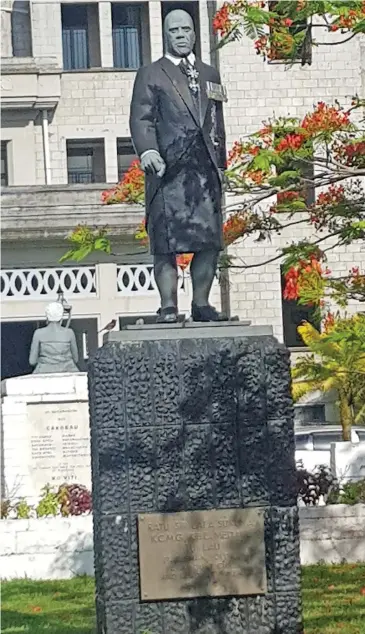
{"x": 281, "y": 255}
{"x": 337, "y": 43}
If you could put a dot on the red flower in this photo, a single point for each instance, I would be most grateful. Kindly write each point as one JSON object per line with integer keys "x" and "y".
{"x": 288, "y": 22}
{"x": 129, "y": 190}
{"x": 325, "y": 119}
{"x": 184, "y": 260}
{"x": 221, "y": 22}
{"x": 334, "y": 196}
{"x": 291, "y": 290}
{"x": 352, "y": 154}
{"x": 261, "y": 44}
{"x": 254, "y": 150}
{"x": 287, "y": 197}
{"x": 329, "y": 321}
{"x": 290, "y": 142}
{"x": 235, "y": 153}
{"x": 297, "y": 275}
{"x": 234, "y": 228}
{"x": 265, "y": 131}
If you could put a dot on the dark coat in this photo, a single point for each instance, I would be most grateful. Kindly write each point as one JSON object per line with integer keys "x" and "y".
{"x": 183, "y": 208}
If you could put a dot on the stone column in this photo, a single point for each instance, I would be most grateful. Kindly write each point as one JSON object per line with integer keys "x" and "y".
{"x": 106, "y": 40}
{"x": 205, "y": 28}
{"x": 155, "y": 29}
{"x": 190, "y": 419}
{"x": 47, "y": 30}
{"x": 6, "y": 43}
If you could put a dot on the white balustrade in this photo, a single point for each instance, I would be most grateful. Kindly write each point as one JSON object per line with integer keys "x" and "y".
{"x": 31, "y": 284}
{"x": 77, "y": 282}
{"x": 138, "y": 279}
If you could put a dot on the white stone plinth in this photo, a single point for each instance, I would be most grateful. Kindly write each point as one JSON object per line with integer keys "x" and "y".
{"x": 45, "y": 427}
{"x": 348, "y": 461}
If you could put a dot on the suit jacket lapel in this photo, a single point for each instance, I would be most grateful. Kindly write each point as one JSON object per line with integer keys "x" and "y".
{"x": 175, "y": 76}
{"x": 204, "y": 101}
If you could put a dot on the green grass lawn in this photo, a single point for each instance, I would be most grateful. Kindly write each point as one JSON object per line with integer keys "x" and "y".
{"x": 333, "y": 600}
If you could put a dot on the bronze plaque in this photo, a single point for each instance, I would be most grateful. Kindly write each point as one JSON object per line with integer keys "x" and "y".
{"x": 201, "y": 554}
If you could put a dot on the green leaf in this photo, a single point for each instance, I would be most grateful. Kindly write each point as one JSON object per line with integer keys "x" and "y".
{"x": 83, "y": 252}
{"x": 102, "y": 244}
{"x": 261, "y": 162}
{"x": 360, "y": 27}
{"x": 298, "y": 204}
{"x": 69, "y": 255}
{"x": 252, "y": 30}
{"x": 257, "y": 15}
{"x": 233, "y": 35}
{"x": 290, "y": 176}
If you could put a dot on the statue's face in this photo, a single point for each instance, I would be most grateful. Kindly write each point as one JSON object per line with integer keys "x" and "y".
{"x": 179, "y": 33}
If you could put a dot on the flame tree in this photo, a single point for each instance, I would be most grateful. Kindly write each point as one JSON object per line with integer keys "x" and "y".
{"x": 288, "y": 29}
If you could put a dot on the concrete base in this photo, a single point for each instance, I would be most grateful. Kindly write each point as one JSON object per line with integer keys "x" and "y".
{"x": 192, "y": 418}
{"x": 45, "y": 433}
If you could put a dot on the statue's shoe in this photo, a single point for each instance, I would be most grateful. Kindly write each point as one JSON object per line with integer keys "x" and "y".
{"x": 206, "y": 313}
{"x": 167, "y": 315}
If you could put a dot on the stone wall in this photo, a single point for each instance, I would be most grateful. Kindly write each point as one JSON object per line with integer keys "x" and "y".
{"x": 61, "y": 548}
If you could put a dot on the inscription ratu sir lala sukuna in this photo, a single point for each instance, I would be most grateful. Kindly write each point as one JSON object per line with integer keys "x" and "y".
{"x": 202, "y": 553}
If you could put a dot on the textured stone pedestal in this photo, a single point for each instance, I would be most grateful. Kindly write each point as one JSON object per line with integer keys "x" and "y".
{"x": 192, "y": 418}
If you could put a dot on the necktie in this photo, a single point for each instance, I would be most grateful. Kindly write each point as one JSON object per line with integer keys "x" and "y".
{"x": 192, "y": 74}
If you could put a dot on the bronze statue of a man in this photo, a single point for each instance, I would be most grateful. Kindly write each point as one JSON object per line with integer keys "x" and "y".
{"x": 177, "y": 128}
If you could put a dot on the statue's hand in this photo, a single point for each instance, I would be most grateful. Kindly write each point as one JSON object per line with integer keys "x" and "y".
{"x": 153, "y": 163}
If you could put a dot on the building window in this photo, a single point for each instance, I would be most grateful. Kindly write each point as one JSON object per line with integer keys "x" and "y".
{"x": 307, "y": 414}
{"x": 125, "y": 155}
{"x": 21, "y": 29}
{"x": 4, "y": 164}
{"x": 85, "y": 161}
{"x": 129, "y": 24}
{"x": 293, "y": 315}
{"x": 190, "y": 7}
{"x": 80, "y": 36}
{"x": 278, "y": 53}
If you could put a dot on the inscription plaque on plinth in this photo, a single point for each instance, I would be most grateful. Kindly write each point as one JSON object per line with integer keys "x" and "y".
{"x": 59, "y": 443}
{"x": 201, "y": 554}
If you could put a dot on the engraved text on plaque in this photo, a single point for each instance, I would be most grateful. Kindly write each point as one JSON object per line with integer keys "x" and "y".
{"x": 202, "y": 553}
{"x": 59, "y": 443}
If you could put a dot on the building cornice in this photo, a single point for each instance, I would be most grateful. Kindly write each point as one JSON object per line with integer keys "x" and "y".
{"x": 30, "y": 65}
{"x": 28, "y": 83}
{"x": 41, "y": 212}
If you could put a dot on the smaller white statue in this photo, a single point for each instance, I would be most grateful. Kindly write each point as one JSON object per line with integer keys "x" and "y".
{"x": 54, "y": 347}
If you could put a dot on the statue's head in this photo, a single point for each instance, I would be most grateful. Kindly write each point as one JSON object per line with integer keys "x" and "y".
{"x": 179, "y": 33}
{"x": 54, "y": 312}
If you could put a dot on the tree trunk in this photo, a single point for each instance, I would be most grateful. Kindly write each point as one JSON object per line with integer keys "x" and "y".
{"x": 346, "y": 416}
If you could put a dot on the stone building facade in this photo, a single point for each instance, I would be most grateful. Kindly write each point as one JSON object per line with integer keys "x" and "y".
{"x": 67, "y": 77}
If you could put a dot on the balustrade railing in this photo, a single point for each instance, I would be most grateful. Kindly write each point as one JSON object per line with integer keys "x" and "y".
{"x": 47, "y": 283}
{"x": 139, "y": 280}
{"x": 77, "y": 282}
